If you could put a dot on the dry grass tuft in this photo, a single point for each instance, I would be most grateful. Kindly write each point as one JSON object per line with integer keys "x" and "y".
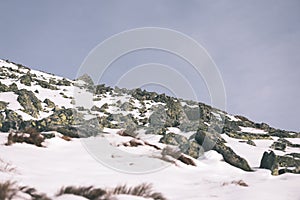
{"x": 34, "y": 194}
{"x": 143, "y": 190}
{"x": 239, "y": 182}
{"x": 6, "y": 167}
{"x": 87, "y": 192}
{"x": 8, "y": 190}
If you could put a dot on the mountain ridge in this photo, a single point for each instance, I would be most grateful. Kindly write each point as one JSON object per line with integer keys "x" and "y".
{"x": 43, "y": 101}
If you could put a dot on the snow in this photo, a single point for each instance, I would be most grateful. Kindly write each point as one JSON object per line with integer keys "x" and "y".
{"x": 252, "y": 154}
{"x": 252, "y": 130}
{"x": 217, "y": 115}
{"x": 232, "y": 118}
{"x": 10, "y": 98}
{"x": 65, "y": 163}
{"x": 293, "y": 140}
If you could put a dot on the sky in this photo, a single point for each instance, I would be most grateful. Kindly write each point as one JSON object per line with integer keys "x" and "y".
{"x": 255, "y": 45}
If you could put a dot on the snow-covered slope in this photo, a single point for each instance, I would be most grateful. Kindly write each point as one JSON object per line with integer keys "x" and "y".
{"x": 103, "y": 137}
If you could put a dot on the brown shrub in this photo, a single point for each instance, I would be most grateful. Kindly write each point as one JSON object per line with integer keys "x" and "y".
{"x": 29, "y": 136}
{"x": 66, "y": 138}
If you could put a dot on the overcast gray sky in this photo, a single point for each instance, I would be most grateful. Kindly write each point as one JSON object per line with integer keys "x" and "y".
{"x": 255, "y": 44}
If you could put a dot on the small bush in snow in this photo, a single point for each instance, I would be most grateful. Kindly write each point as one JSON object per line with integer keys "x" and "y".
{"x": 8, "y": 190}
{"x": 29, "y": 136}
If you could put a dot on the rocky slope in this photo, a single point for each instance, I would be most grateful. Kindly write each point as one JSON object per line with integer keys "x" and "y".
{"x": 45, "y": 102}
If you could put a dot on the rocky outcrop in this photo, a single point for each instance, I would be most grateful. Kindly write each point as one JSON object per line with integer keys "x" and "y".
{"x": 248, "y": 136}
{"x": 45, "y": 84}
{"x": 3, "y": 105}
{"x": 49, "y": 103}
{"x": 213, "y": 141}
{"x": 26, "y": 79}
{"x": 102, "y": 89}
{"x": 3, "y": 88}
{"x": 190, "y": 148}
{"x": 30, "y": 103}
{"x": 11, "y": 120}
{"x": 280, "y": 164}
{"x": 87, "y": 79}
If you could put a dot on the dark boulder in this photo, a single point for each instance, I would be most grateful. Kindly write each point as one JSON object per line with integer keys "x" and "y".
{"x": 213, "y": 141}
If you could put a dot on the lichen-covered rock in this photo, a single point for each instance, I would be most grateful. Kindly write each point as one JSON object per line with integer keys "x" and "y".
{"x": 248, "y": 136}
{"x": 187, "y": 126}
{"x": 11, "y": 121}
{"x": 190, "y": 148}
{"x": 3, "y": 88}
{"x": 269, "y": 161}
{"x": 192, "y": 113}
{"x": 278, "y": 146}
{"x": 282, "y": 143}
{"x": 213, "y": 141}
{"x": 26, "y": 79}
{"x": 87, "y": 79}
{"x": 158, "y": 117}
{"x": 102, "y": 89}
{"x": 283, "y": 134}
{"x": 45, "y": 84}
{"x": 250, "y": 142}
{"x": 262, "y": 126}
{"x": 174, "y": 112}
{"x": 244, "y": 121}
{"x": 96, "y": 108}
{"x": 126, "y": 106}
{"x": 49, "y": 103}
{"x": 63, "y": 82}
{"x": 208, "y": 139}
{"x": 13, "y": 87}
{"x": 3, "y": 105}
{"x": 230, "y": 126}
{"x": 280, "y": 164}
{"x": 205, "y": 112}
{"x": 231, "y": 157}
{"x": 105, "y": 122}
{"x": 126, "y": 122}
{"x": 68, "y": 131}
{"x": 30, "y": 103}
{"x": 156, "y": 130}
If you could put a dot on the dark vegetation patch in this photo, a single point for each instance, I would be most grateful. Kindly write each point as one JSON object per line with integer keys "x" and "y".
{"x": 29, "y": 136}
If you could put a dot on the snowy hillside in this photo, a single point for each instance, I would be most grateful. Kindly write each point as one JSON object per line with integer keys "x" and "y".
{"x": 57, "y": 132}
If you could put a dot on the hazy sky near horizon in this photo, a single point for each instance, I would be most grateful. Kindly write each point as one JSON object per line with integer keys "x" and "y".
{"x": 255, "y": 44}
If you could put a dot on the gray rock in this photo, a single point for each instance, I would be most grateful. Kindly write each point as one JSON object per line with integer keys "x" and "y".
{"x": 30, "y": 103}
{"x": 190, "y": 148}
{"x": 213, "y": 141}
